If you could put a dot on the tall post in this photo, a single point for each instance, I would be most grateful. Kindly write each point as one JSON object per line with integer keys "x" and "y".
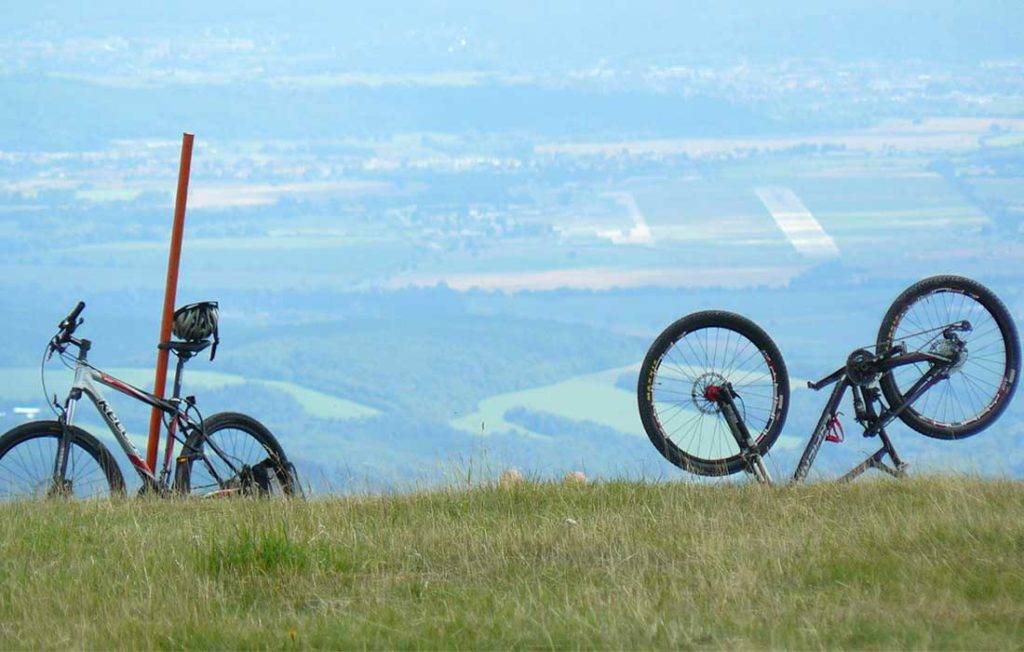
{"x": 170, "y": 294}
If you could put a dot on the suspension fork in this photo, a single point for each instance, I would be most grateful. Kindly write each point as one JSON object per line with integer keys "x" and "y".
{"x": 67, "y": 420}
{"x": 60, "y": 462}
{"x": 748, "y": 447}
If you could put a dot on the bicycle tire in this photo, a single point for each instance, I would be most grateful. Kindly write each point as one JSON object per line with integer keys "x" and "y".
{"x": 1009, "y": 370}
{"x": 647, "y": 389}
{"x": 283, "y": 476}
{"x": 24, "y": 434}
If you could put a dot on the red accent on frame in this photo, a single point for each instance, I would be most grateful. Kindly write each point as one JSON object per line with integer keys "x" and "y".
{"x": 170, "y": 293}
{"x": 118, "y": 385}
{"x": 139, "y": 463}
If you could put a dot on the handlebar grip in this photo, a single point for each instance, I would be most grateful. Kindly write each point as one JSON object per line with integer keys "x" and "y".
{"x": 77, "y": 311}
{"x": 70, "y": 322}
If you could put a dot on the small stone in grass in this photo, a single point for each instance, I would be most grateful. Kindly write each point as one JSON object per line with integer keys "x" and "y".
{"x": 510, "y": 477}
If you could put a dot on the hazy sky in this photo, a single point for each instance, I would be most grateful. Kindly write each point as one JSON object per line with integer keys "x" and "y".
{"x": 400, "y": 34}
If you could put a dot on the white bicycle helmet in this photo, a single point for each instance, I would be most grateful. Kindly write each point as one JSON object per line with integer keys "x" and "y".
{"x": 196, "y": 322}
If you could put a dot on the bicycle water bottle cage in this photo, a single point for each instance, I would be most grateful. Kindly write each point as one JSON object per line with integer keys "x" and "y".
{"x": 835, "y": 432}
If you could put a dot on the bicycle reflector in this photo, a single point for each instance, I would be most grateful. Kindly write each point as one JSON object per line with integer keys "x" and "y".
{"x": 196, "y": 322}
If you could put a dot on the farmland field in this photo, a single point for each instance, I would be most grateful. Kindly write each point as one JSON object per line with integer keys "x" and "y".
{"x": 594, "y": 396}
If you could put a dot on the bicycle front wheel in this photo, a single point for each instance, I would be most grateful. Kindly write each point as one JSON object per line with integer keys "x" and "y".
{"x": 707, "y": 350}
{"x": 27, "y": 457}
{"x": 234, "y": 454}
{"x": 978, "y": 389}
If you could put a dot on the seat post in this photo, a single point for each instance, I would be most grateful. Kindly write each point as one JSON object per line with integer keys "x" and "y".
{"x": 185, "y": 352}
{"x": 178, "y": 369}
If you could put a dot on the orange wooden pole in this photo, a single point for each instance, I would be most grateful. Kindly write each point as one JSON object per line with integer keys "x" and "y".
{"x": 170, "y": 294}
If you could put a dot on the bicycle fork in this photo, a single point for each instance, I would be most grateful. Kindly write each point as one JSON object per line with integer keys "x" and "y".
{"x": 61, "y": 485}
{"x": 723, "y": 395}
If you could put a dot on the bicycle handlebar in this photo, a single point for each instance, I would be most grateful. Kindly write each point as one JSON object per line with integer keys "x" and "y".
{"x": 827, "y": 380}
{"x": 68, "y": 325}
{"x": 72, "y": 318}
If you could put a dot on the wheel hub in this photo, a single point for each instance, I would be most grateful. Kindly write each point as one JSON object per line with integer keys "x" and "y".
{"x": 706, "y": 391}
{"x": 952, "y": 348}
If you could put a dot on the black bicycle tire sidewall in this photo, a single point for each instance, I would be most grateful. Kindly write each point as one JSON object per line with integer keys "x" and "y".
{"x": 1007, "y": 329}
{"x": 648, "y": 371}
{"x": 81, "y": 438}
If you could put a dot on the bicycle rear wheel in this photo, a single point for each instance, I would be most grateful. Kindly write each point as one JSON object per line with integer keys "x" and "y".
{"x": 703, "y": 350}
{"x": 27, "y": 456}
{"x": 234, "y": 454}
{"x": 976, "y": 391}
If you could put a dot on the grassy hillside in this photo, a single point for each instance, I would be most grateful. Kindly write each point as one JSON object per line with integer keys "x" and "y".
{"x": 920, "y": 563}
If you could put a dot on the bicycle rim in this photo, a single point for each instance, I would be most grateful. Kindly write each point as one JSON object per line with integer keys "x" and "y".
{"x": 973, "y": 389}
{"x": 691, "y": 364}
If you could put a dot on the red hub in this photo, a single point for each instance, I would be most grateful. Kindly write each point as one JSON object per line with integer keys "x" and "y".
{"x": 713, "y": 392}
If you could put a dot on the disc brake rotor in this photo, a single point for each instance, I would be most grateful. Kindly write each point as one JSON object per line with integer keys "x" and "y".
{"x": 699, "y": 392}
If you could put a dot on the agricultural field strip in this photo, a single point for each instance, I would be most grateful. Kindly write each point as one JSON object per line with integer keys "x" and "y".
{"x": 899, "y": 135}
{"x": 797, "y": 222}
{"x": 588, "y": 397}
{"x": 639, "y": 233}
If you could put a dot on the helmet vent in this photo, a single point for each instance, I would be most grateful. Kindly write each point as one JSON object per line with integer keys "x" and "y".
{"x": 196, "y": 322}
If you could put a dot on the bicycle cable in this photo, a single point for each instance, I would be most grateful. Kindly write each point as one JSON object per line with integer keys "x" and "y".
{"x": 52, "y": 404}
{"x": 68, "y": 361}
{"x": 910, "y": 335}
{"x": 743, "y": 405}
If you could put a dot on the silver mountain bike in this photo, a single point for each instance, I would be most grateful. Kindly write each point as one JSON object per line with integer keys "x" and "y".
{"x": 224, "y": 454}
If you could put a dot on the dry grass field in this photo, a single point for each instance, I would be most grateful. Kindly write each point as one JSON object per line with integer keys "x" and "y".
{"x": 923, "y": 563}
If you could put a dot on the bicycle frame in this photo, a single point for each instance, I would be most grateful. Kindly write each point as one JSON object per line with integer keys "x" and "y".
{"x": 87, "y": 382}
{"x": 864, "y": 398}
{"x": 874, "y": 423}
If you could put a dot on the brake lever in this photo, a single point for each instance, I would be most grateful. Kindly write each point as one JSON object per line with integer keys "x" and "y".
{"x": 53, "y": 347}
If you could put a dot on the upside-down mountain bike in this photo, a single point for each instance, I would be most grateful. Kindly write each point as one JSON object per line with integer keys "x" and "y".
{"x": 713, "y": 390}
{"x": 224, "y": 454}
